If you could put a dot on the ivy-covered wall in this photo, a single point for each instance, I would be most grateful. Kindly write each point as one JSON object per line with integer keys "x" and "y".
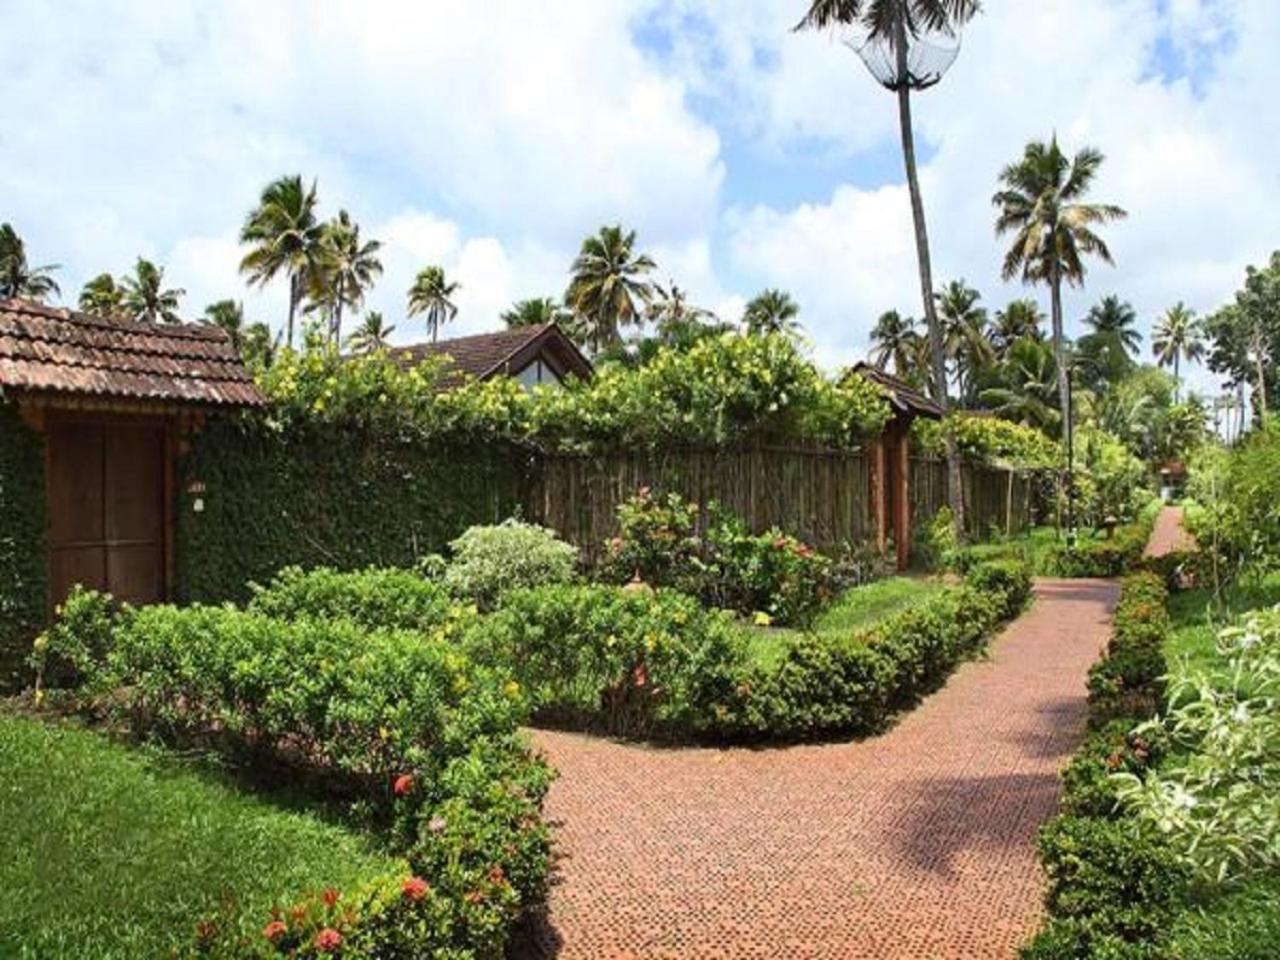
{"x": 22, "y": 544}
{"x": 340, "y": 496}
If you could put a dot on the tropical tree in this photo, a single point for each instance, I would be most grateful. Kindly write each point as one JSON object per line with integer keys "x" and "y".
{"x": 772, "y": 311}
{"x": 894, "y": 25}
{"x": 145, "y": 296}
{"x": 1019, "y": 320}
{"x": 259, "y": 346}
{"x": 284, "y": 237}
{"x": 535, "y": 312}
{"x": 1177, "y": 335}
{"x": 227, "y": 315}
{"x": 1027, "y": 386}
{"x": 964, "y": 325}
{"x": 102, "y": 297}
{"x": 346, "y": 269}
{"x": 1105, "y": 355}
{"x": 430, "y": 296}
{"x": 17, "y": 277}
{"x": 1042, "y": 204}
{"x": 895, "y": 342}
{"x": 677, "y": 322}
{"x": 607, "y": 280}
{"x": 373, "y": 334}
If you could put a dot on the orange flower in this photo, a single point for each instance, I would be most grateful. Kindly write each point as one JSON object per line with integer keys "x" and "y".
{"x": 403, "y": 784}
{"x": 330, "y": 897}
{"x": 328, "y": 940}
{"x": 415, "y": 888}
{"x": 497, "y": 877}
{"x": 473, "y": 897}
{"x": 274, "y": 930}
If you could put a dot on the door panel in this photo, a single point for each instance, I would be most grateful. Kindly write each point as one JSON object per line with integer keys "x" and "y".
{"x": 107, "y": 508}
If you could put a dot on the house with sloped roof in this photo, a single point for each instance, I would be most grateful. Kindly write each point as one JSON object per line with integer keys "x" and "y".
{"x": 112, "y": 401}
{"x": 541, "y": 354}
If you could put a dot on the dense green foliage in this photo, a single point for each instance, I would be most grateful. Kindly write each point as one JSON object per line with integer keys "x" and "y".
{"x": 490, "y": 560}
{"x": 378, "y": 598}
{"x": 22, "y": 553}
{"x": 769, "y": 574}
{"x": 399, "y": 724}
{"x": 327, "y": 495}
{"x": 146, "y": 848}
{"x": 634, "y": 662}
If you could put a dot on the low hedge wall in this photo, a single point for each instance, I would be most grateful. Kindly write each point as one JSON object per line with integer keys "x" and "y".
{"x": 1113, "y": 886}
{"x": 635, "y": 663}
{"x": 22, "y": 544}
{"x": 399, "y": 724}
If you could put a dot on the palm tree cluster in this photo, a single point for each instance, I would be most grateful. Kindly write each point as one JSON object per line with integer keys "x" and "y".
{"x": 328, "y": 266}
{"x": 19, "y": 278}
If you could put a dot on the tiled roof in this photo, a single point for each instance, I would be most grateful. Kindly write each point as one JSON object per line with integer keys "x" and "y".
{"x": 52, "y": 351}
{"x": 485, "y": 354}
{"x": 903, "y": 397}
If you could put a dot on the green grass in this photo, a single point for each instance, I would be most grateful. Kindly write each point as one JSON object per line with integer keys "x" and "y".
{"x": 113, "y": 852}
{"x": 856, "y": 609}
{"x": 1197, "y": 618}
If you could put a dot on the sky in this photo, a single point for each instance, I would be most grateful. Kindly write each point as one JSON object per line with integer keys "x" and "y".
{"x": 491, "y": 137}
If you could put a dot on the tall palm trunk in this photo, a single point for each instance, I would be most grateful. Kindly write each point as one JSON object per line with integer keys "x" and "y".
{"x": 336, "y": 326}
{"x": 1177, "y": 376}
{"x": 1261, "y": 377}
{"x": 295, "y": 297}
{"x": 1064, "y": 384}
{"x": 936, "y": 348}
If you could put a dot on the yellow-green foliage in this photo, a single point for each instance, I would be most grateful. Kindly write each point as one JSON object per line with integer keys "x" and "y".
{"x": 991, "y": 440}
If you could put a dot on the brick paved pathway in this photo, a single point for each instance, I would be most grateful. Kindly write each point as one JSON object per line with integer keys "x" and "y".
{"x": 914, "y": 844}
{"x": 1168, "y": 535}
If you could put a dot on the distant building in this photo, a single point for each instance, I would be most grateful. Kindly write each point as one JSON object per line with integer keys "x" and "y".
{"x": 536, "y": 355}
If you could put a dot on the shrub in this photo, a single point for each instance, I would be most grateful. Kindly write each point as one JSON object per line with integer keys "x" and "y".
{"x": 488, "y": 560}
{"x": 629, "y": 662}
{"x": 22, "y": 543}
{"x": 1090, "y": 788}
{"x": 1120, "y": 878}
{"x": 1128, "y": 681}
{"x": 374, "y": 598}
{"x": 402, "y": 724}
{"x": 73, "y": 648}
{"x": 728, "y": 566}
{"x": 850, "y": 684}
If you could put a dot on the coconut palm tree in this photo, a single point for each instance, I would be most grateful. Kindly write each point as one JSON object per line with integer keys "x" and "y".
{"x": 102, "y": 297}
{"x": 896, "y": 341}
{"x": 259, "y": 346}
{"x": 1042, "y": 205}
{"x": 145, "y": 296}
{"x": 1028, "y": 384}
{"x": 534, "y": 312}
{"x": 1019, "y": 320}
{"x": 1177, "y": 335}
{"x": 1115, "y": 320}
{"x": 347, "y": 269}
{"x": 227, "y": 315}
{"x": 372, "y": 335}
{"x": 894, "y": 25}
{"x": 430, "y": 295}
{"x": 964, "y": 326}
{"x": 606, "y": 283}
{"x": 284, "y": 237}
{"x": 772, "y": 311}
{"x": 17, "y": 277}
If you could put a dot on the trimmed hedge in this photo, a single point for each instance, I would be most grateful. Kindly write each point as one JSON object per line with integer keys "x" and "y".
{"x": 401, "y": 724}
{"x": 1114, "y": 886}
{"x": 328, "y": 495}
{"x": 655, "y": 664}
{"x": 23, "y": 587}
{"x": 377, "y": 598}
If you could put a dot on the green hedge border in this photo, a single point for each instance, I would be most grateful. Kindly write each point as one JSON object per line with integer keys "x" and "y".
{"x": 23, "y": 577}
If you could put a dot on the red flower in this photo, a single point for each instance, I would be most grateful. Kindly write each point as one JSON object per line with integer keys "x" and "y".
{"x": 403, "y": 784}
{"x": 298, "y": 913}
{"x": 328, "y": 940}
{"x": 274, "y": 930}
{"x": 473, "y": 897}
{"x": 415, "y": 888}
{"x": 330, "y": 897}
{"x": 497, "y": 877}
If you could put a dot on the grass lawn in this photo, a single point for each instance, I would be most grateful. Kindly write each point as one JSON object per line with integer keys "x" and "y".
{"x": 855, "y": 609}
{"x": 1196, "y": 621}
{"x": 113, "y": 852}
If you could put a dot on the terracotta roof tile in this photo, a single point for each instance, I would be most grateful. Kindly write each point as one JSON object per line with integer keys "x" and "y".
{"x": 48, "y": 350}
{"x": 904, "y": 398}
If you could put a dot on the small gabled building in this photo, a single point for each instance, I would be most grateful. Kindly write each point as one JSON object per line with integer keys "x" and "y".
{"x": 112, "y": 400}
{"x": 891, "y": 458}
{"x": 540, "y": 354}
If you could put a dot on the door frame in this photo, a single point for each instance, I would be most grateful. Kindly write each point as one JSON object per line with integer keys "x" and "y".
{"x": 53, "y": 417}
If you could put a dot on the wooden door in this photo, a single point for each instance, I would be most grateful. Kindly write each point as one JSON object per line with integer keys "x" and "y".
{"x": 106, "y": 504}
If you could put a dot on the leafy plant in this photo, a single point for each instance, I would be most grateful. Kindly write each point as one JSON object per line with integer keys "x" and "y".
{"x": 489, "y": 560}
